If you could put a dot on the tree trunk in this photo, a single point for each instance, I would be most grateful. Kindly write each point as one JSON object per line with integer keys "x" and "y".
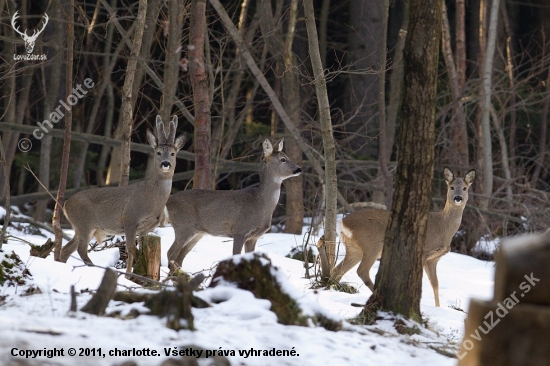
{"x": 486, "y": 108}
{"x": 458, "y": 154}
{"x": 201, "y": 96}
{"x": 362, "y": 92}
{"x": 5, "y": 190}
{"x": 172, "y": 60}
{"x": 53, "y": 70}
{"x": 294, "y": 203}
{"x": 56, "y": 220}
{"x": 326, "y": 133}
{"x": 398, "y": 284}
{"x": 127, "y": 105}
{"x": 542, "y": 135}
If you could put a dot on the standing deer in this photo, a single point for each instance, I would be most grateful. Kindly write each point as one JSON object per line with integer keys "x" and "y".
{"x": 363, "y": 233}
{"x": 243, "y": 215}
{"x": 129, "y": 210}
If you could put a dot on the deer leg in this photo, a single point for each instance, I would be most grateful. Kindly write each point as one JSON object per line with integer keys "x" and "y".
{"x": 130, "y": 232}
{"x": 430, "y": 267}
{"x": 187, "y": 247}
{"x": 364, "y": 268}
{"x": 352, "y": 257}
{"x": 79, "y": 242}
{"x": 250, "y": 245}
{"x": 182, "y": 237}
{"x": 238, "y": 243}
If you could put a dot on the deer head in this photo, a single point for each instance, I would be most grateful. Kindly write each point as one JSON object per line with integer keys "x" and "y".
{"x": 29, "y": 40}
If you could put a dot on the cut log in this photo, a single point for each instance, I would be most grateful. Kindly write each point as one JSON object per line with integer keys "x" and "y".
{"x": 516, "y": 336}
{"x": 148, "y": 257}
{"x": 522, "y": 268}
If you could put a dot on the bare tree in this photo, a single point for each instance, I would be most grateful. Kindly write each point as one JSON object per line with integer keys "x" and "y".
{"x": 398, "y": 284}
{"x": 201, "y": 97}
{"x": 127, "y": 105}
{"x": 5, "y": 193}
{"x": 486, "y": 108}
{"x": 330, "y": 179}
{"x": 56, "y": 220}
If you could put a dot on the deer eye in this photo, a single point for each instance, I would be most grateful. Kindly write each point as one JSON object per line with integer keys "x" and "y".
{"x": 158, "y": 153}
{"x": 172, "y": 154}
{"x": 452, "y": 188}
{"x": 464, "y": 188}
{"x": 283, "y": 160}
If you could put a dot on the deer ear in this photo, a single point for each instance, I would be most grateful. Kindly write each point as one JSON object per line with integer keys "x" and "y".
{"x": 279, "y": 144}
{"x": 268, "y": 148}
{"x": 180, "y": 141}
{"x": 175, "y": 120}
{"x": 470, "y": 176}
{"x": 151, "y": 139}
{"x": 448, "y": 174}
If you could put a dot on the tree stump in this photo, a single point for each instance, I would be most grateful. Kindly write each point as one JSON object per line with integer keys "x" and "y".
{"x": 99, "y": 301}
{"x": 148, "y": 257}
{"x": 512, "y": 329}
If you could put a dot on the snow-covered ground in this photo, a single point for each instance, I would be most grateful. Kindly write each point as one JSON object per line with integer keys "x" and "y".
{"x": 240, "y": 323}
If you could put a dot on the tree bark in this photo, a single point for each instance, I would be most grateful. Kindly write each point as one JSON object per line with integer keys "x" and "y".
{"x": 60, "y": 199}
{"x": 172, "y": 60}
{"x": 323, "y": 106}
{"x": 5, "y": 190}
{"x": 458, "y": 154}
{"x": 542, "y": 135}
{"x": 127, "y": 89}
{"x": 486, "y": 108}
{"x": 201, "y": 97}
{"x": 398, "y": 284}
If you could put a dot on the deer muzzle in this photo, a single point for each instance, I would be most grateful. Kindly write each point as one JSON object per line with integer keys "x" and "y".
{"x": 458, "y": 199}
{"x": 297, "y": 171}
{"x": 165, "y": 165}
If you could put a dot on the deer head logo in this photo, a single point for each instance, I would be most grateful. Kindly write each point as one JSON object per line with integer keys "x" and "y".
{"x": 29, "y": 40}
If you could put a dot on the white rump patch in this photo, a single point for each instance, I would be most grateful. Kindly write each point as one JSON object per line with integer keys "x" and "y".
{"x": 344, "y": 230}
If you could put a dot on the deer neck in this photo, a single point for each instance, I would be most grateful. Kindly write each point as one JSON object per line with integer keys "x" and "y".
{"x": 269, "y": 189}
{"x": 452, "y": 214}
{"x": 162, "y": 182}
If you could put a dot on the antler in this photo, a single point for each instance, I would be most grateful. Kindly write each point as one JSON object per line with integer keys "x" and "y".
{"x": 36, "y": 33}
{"x": 13, "y": 18}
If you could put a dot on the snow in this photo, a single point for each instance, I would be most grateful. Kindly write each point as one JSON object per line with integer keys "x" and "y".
{"x": 237, "y": 321}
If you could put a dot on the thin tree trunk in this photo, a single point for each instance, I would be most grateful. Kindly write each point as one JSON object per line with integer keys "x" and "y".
{"x": 153, "y": 6}
{"x": 5, "y": 188}
{"x": 56, "y": 220}
{"x": 172, "y": 60}
{"x": 291, "y": 98}
{"x": 542, "y": 135}
{"x": 460, "y": 19}
{"x": 326, "y": 133}
{"x": 52, "y": 73}
{"x": 398, "y": 284}
{"x": 383, "y": 147}
{"x": 127, "y": 105}
{"x": 486, "y": 108}
{"x": 323, "y": 27}
{"x": 503, "y": 155}
{"x": 396, "y": 83}
{"x": 510, "y": 69}
{"x": 458, "y": 154}
{"x": 201, "y": 97}
{"x": 258, "y": 74}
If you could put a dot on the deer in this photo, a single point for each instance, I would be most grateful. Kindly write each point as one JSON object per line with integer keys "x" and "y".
{"x": 244, "y": 215}
{"x": 29, "y": 40}
{"x": 363, "y": 233}
{"x": 133, "y": 209}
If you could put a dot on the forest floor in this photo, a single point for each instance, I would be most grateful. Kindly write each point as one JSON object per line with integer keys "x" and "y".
{"x": 237, "y": 324}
